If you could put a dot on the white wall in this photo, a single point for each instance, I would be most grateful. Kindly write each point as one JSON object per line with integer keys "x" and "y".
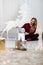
{"x": 9, "y": 10}
{"x": 36, "y": 9}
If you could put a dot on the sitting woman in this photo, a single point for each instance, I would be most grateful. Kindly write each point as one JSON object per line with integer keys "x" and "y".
{"x": 30, "y": 29}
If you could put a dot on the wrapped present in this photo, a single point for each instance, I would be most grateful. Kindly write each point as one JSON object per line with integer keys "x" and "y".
{"x": 21, "y": 45}
{"x": 2, "y": 43}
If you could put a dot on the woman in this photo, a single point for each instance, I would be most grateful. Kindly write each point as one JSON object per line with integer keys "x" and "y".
{"x": 30, "y": 29}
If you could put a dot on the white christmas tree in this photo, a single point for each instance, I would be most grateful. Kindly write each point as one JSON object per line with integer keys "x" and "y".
{"x": 24, "y": 13}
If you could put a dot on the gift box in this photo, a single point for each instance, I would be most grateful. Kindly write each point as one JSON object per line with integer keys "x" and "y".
{"x": 2, "y": 43}
{"x": 20, "y": 44}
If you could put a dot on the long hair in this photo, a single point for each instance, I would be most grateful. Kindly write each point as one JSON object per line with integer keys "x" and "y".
{"x": 34, "y": 25}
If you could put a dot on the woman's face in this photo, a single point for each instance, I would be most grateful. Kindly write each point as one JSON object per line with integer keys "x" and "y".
{"x": 33, "y": 22}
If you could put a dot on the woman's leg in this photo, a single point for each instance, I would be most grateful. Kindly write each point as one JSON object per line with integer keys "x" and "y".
{"x": 32, "y": 37}
{"x": 27, "y": 37}
{"x": 35, "y": 37}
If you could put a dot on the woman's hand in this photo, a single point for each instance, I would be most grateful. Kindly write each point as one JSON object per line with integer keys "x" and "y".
{"x": 26, "y": 33}
{"x": 17, "y": 27}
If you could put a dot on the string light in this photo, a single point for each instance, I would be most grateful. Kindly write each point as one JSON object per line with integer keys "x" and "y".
{"x": 8, "y": 61}
{"x": 4, "y": 62}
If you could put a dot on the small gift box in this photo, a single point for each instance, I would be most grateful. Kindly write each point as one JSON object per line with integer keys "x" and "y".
{"x": 2, "y": 43}
{"x": 18, "y": 45}
{"x": 21, "y": 45}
